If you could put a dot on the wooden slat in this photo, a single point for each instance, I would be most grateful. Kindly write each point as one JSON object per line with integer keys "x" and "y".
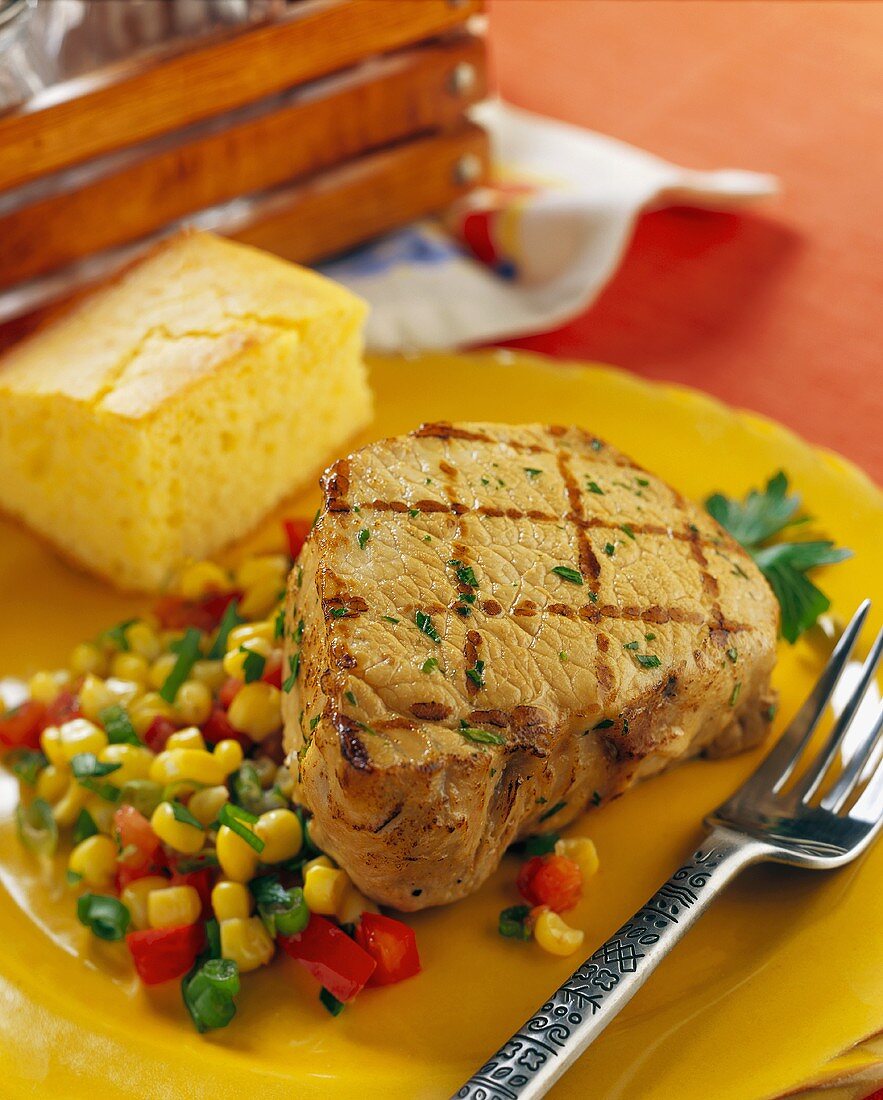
{"x": 360, "y": 200}
{"x": 134, "y": 101}
{"x": 377, "y": 104}
{"x": 342, "y": 207}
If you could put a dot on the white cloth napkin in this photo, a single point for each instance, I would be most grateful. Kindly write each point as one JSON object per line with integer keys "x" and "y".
{"x": 550, "y": 235}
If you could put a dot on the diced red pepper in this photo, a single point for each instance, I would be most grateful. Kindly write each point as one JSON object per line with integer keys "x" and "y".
{"x": 201, "y": 881}
{"x": 139, "y": 845}
{"x": 228, "y": 691}
{"x": 157, "y": 733}
{"x": 218, "y": 727}
{"x": 555, "y": 881}
{"x": 273, "y": 672}
{"x": 22, "y": 726}
{"x": 63, "y": 708}
{"x": 124, "y": 875}
{"x": 393, "y": 946}
{"x": 176, "y": 613}
{"x": 161, "y": 954}
{"x": 297, "y": 531}
{"x": 334, "y": 960}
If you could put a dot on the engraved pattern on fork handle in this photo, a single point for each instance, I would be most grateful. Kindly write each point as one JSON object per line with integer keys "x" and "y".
{"x": 553, "y": 1038}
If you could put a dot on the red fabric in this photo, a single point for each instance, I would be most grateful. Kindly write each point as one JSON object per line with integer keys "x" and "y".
{"x": 778, "y": 309}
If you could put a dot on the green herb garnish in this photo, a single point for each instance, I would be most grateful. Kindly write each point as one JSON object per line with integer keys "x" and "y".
{"x": 476, "y": 673}
{"x": 86, "y": 765}
{"x": 609, "y": 549}
{"x": 362, "y": 537}
{"x": 253, "y": 666}
{"x": 37, "y": 830}
{"x": 568, "y": 574}
{"x": 532, "y": 472}
{"x": 481, "y": 737}
{"x": 338, "y": 612}
{"x": 424, "y": 625}
{"x": 736, "y": 690}
{"x": 552, "y": 811}
{"x": 540, "y": 845}
{"x": 293, "y": 670}
{"x": 188, "y": 655}
{"x": 84, "y": 827}
{"x": 759, "y": 517}
{"x": 632, "y": 645}
{"x": 604, "y": 724}
{"x": 648, "y": 660}
{"x": 182, "y": 814}
{"x": 116, "y": 635}
{"x": 390, "y": 619}
{"x": 26, "y": 764}
{"x": 279, "y": 624}
{"x": 733, "y": 655}
{"x": 465, "y": 573}
{"x": 315, "y": 721}
{"x": 329, "y": 1001}
{"x": 118, "y": 726}
{"x": 237, "y": 820}
{"x": 105, "y": 916}
{"x": 513, "y": 922}
{"x": 229, "y": 619}
{"x": 429, "y": 664}
{"x": 209, "y": 993}
{"x": 627, "y": 530}
{"x": 594, "y": 487}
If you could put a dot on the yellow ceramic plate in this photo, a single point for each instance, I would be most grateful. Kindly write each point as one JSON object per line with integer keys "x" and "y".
{"x": 781, "y": 976}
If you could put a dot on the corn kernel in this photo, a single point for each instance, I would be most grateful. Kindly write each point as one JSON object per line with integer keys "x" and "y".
{"x": 319, "y": 861}
{"x": 130, "y": 666}
{"x": 555, "y": 935}
{"x": 246, "y": 633}
{"x": 281, "y": 832}
{"x": 257, "y": 568}
{"x": 325, "y": 889}
{"x": 189, "y": 738}
{"x": 231, "y": 900}
{"x": 266, "y": 771}
{"x": 173, "y": 906}
{"x": 261, "y": 596}
{"x": 87, "y": 657}
{"x": 101, "y": 811}
{"x": 45, "y": 686}
{"x": 228, "y": 754}
{"x": 354, "y": 904}
{"x": 97, "y": 695}
{"x": 80, "y": 735}
{"x": 234, "y": 660}
{"x": 238, "y": 860}
{"x": 135, "y": 895}
{"x": 202, "y": 577}
{"x": 52, "y": 782}
{"x": 50, "y": 743}
{"x": 210, "y": 673}
{"x": 145, "y": 709}
{"x": 197, "y": 765}
{"x": 205, "y": 805}
{"x": 179, "y": 835}
{"x": 160, "y": 669}
{"x": 95, "y": 859}
{"x": 284, "y": 782}
{"x": 581, "y": 850}
{"x": 67, "y": 809}
{"x": 134, "y": 762}
{"x": 246, "y": 942}
{"x": 256, "y": 710}
{"x": 143, "y": 640}
{"x": 193, "y": 703}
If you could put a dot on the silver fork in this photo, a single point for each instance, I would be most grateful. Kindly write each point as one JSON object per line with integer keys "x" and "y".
{"x": 762, "y": 821}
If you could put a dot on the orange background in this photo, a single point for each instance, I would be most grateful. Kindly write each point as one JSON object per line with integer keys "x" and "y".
{"x": 779, "y": 309}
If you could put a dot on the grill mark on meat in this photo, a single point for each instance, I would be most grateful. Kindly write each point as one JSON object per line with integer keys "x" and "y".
{"x": 604, "y": 674}
{"x": 389, "y": 820}
{"x": 447, "y": 469}
{"x": 336, "y": 485}
{"x": 395, "y": 724}
{"x": 443, "y": 429}
{"x": 351, "y": 745}
{"x": 431, "y": 711}
{"x": 492, "y": 608}
{"x": 496, "y": 718}
{"x": 470, "y": 656}
{"x": 589, "y": 565}
{"x": 343, "y": 606}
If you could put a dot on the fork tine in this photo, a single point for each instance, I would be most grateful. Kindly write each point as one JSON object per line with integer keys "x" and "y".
{"x": 869, "y": 807}
{"x": 812, "y": 779}
{"x": 779, "y": 764}
{"x": 852, "y": 773}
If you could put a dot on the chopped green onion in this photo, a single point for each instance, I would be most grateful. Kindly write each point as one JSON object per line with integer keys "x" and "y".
{"x": 84, "y": 827}
{"x": 540, "y": 845}
{"x": 182, "y": 814}
{"x": 429, "y": 664}
{"x": 188, "y": 655}
{"x": 362, "y": 537}
{"x": 626, "y": 530}
{"x": 253, "y": 666}
{"x": 144, "y": 794}
{"x": 568, "y": 574}
{"x": 86, "y": 765}
{"x": 105, "y": 916}
{"x": 116, "y": 635}
{"x": 37, "y": 829}
{"x": 118, "y": 726}
{"x": 26, "y": 764}
{"x": 476, "y": 674}
{"x": 594, "y": 487}
{"x": 390, "y": 619}
{"x": 482, "y": 737}
{"x": 424, "y": 624}
{"x": 246, "y": 787}
{"x": 552, "y": 811}
{"x": 234, "y": 817}
{"x": 609, "y": 549}
{"x": 334, "y": 1006}
{"x": 209, "y": 994}
{"x": 513, "y": 922}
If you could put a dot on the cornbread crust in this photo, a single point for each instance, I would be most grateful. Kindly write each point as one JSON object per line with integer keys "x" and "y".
{"x": 186, "y": 399}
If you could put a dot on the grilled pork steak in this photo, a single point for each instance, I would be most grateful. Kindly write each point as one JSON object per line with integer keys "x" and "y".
{"x": 494, "y": 627}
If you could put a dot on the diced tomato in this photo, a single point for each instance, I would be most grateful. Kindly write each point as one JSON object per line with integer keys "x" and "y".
{"x": 157, "y": 733}
{"x": 228, "y": 691}
{"x": 297, "y": 531}
{"x": 139, "y": 844}
{"x": 391, "y": 944}
{"x": 124, "y": 875}
{"x": 161, "y": 954}
{"x": 334, "y": 960}
{"x": 22, "y": 726}
{"x": 176, "y": 613}
{"x": 217, "y": 727}
{"x": 273, "y": 672}
{"x": 63, "y": 708}
{"x": 201, "y": 881}
{"x": 551, "y": 880}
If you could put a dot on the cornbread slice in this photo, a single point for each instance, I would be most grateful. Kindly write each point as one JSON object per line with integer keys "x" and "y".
{"x": 166, "y": 414}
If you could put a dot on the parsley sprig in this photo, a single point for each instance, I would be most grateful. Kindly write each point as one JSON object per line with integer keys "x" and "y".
{"x": 759, "y": 518}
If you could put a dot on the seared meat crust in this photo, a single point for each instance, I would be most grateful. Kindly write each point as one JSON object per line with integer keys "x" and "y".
{"x": 497, "y": 627}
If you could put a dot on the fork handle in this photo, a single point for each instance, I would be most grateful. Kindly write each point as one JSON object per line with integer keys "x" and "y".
{"x": 546, "y": 1046}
